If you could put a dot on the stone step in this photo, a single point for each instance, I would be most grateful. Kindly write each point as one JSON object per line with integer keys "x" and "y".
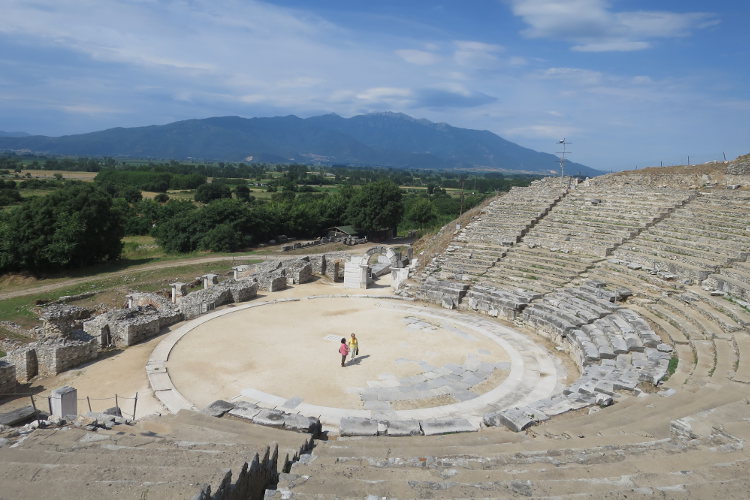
{"x": 716, "y": 312}
{"x": 742, "y": 342}
{"x": 73, "y": 488}
{"x": 705, "y": 360}
{"x": 681, "y": 470}
{"x": 735, "y": 311}
{"x": 726, "y": 359}
{"x": 645, "y": 416}
{"x": 685, "y": 363}
{"x": 729, "y": 285}
{"x": 662, "y": 322}
{"x": 700, "y": 323}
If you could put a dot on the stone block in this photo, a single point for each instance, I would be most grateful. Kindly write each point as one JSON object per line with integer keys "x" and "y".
{"x": 357, "y": 426}
{"x": 270, "y": 418}
{"x": 64, "y": 401}
{"x": 517, "y": 419}
{"x": 403, "y": 428}
{"x": 301, "y": 423}
{"x": 432, "y": 427}
{"x": 218, "y": 408}
{"x": 244, "y": 410}
{"x": 17, "y": 416}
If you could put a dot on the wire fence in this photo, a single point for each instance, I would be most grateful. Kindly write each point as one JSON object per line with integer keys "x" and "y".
{"x": 117, "y": 399}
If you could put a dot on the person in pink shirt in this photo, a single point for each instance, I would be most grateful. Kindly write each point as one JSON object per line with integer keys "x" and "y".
{"x": 344, "y": 351}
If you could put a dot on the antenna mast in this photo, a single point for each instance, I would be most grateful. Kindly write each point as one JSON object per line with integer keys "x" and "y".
{"x": 562, "y": 155}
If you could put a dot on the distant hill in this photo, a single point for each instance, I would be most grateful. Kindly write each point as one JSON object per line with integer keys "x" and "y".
{"x": 378, "y": 139}
{"x": 13, "y": 134}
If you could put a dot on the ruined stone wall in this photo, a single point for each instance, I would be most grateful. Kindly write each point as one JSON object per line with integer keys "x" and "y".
{"x": 271, "y": 281}
{"x": 57, "y": 355}
{"x": 61, "y": 320}
{"x": 27, "y": 365}
{"x": 318, "y": 263}
{"x": 199, "y": 302}
{"x": 241, "y": 290}
{"x": 300, "y": 274}
{"x": 169, "y": 314}
{"x": 7, "y": 377}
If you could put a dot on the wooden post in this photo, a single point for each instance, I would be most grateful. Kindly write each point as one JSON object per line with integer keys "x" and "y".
{"x": 135, "y": 404}
{"x": 49, "y": 403}
{"x": 117, "y": 405}
{"x": 33, "y": 405}
{"x": 88, "y": 400}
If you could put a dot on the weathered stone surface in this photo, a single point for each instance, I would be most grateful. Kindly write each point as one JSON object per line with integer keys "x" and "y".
{"x": 301, "y": 423}
{"x": 7, "y": 377}
{"x": 515, "y": 419}
{"x": 271, "y": 418}
{"x": 245, "y": 410}
{"x": 124, "y": 327}
{"x": 356, "y": 426}
{"x": 432, "y": 427}
{"x": 60, "y": 320}
{"x": 18, "y": 416}
{"x": 218, "y": 408}
{"x": 404, "y": 428}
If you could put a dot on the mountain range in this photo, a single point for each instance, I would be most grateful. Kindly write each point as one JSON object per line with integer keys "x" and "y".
{"x": 377, "y": 139}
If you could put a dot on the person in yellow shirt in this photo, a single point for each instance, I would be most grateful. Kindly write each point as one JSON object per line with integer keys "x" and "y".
{"x": 353, "y": 346}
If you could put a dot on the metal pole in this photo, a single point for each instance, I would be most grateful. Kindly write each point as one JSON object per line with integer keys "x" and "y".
{"x": 135, "y": 404}
{"x": 49, "y": 403}
{"x": 88, "y": 400}
{"x": 117, "y": 405}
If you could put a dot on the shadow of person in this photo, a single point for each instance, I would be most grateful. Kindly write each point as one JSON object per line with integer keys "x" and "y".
{"x": 357, "y": 360}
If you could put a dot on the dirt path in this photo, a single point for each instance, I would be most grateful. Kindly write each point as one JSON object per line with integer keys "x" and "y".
{"x": 42, "y": 288}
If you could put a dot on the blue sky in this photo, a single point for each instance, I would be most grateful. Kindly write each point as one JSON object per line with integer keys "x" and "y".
{"x": 629, "y": 83}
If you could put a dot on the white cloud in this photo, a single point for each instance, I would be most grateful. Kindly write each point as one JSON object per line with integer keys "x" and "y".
{"x": 593, "y": 26}
{"x": 477, "y": 55}
{"x": 542, "y": 131}
{"x": 419, "y": 57}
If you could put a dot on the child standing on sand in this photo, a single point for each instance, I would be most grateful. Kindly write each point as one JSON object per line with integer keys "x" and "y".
{"x": 343, "y": 350}
{"x": 354, "y": 346}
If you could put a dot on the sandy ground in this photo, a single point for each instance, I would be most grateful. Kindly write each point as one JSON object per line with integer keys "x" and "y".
{"x": 123, "y": 372}
{"x": 291, "y": 350}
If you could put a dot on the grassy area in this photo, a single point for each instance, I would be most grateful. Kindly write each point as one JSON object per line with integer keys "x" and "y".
{"x": 672, "y": 366}
{"x": 137, "y": 251}
{"x": 109, "y": 291}
{"x": 50, "y": 174}
{"x": 141, "y": 247}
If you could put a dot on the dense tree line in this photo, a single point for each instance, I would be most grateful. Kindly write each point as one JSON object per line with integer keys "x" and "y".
{"x": 70, "y": 227}
{"x": 147, "y": 180}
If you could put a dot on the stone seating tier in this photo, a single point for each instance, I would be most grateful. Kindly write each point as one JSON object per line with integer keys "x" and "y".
{"x": 496, "y": 302}
{"x": 690, "y": 269}
{"x": 730, "y": 248}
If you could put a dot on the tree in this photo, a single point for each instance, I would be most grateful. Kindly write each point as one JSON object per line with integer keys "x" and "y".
{"x": 421, "y": 213}
{"x": 376, "y": 205}
{"x": 162, "y": 197}
{"x": 209, "y": 192}
{"x": 71, "y": 227}
{"x": 132, "y": 195}
{"x": 242, "y": 192}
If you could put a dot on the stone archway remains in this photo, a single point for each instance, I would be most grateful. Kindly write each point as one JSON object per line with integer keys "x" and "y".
{"x": 357, "y": 269}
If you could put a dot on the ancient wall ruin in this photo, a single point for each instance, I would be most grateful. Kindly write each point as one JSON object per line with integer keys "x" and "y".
{"x": 7, "y": 377}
